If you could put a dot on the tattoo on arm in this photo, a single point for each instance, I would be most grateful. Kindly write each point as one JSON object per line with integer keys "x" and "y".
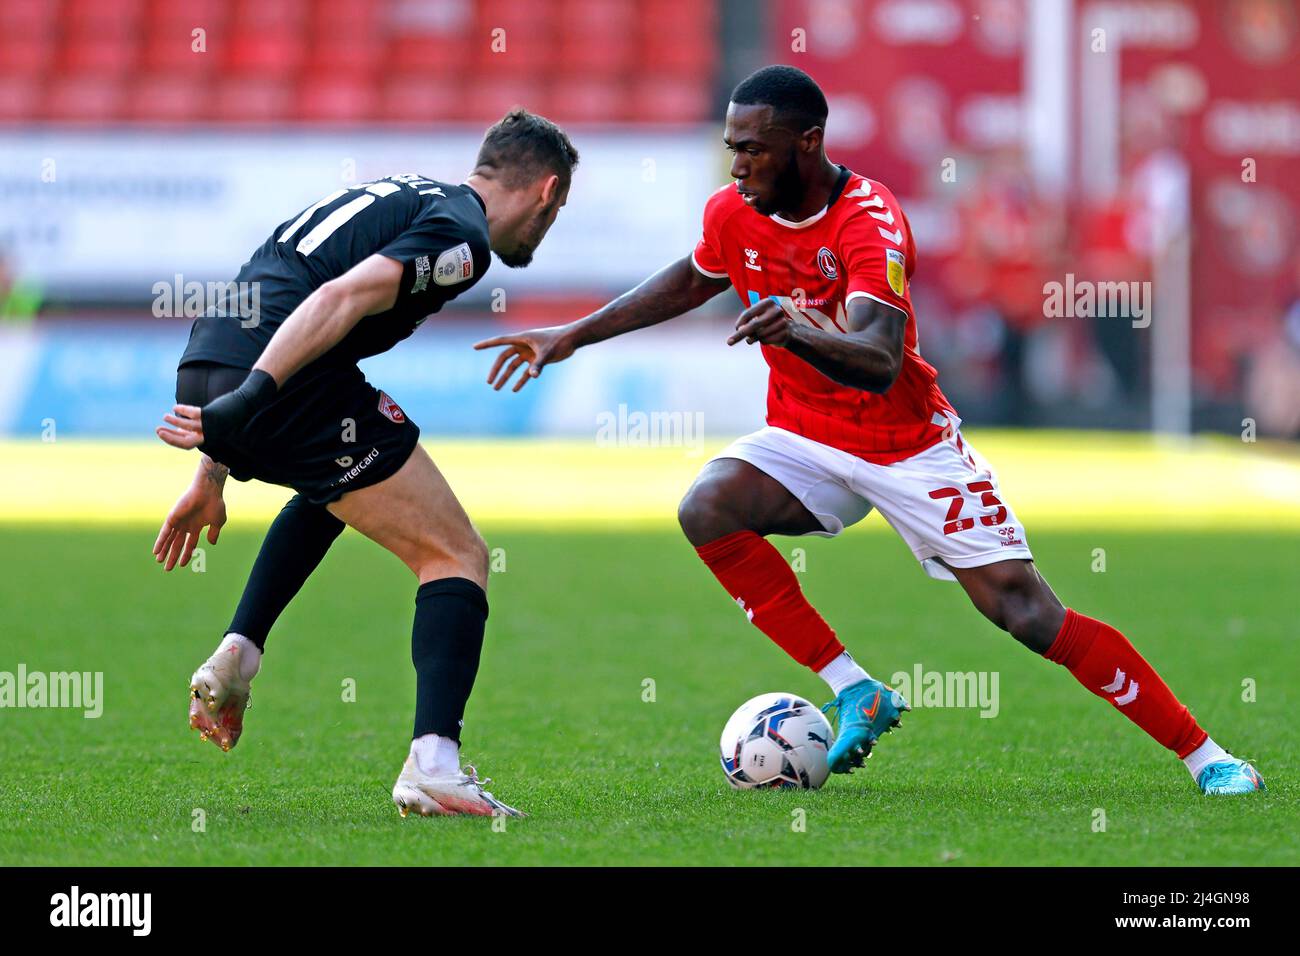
{"x": 214, "y": 471}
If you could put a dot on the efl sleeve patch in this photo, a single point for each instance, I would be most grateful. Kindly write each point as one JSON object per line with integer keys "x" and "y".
{"x": 896, "y": 271}
{"x": 454, "y": 265}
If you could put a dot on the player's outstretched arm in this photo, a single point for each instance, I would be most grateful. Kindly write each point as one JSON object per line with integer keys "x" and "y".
{"x": 319, "y": 323}
{"x": 673, "y": 290}
{"x": 201, "y": 506}
{"x": 869, "y": 357}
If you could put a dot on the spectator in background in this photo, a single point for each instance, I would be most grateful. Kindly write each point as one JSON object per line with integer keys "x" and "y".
{"x": 1012, "y": 241}
{"x": 1273, "y": 374}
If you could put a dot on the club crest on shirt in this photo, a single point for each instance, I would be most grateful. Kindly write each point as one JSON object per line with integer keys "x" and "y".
{"x": 896, "y": 271}
{"x": 390, "y": 410}
{"x": 455, "y": 265}
{"x": 826, "y": 262}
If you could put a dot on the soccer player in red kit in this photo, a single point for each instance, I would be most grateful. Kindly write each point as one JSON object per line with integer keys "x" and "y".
{"x": 821, "y": 258}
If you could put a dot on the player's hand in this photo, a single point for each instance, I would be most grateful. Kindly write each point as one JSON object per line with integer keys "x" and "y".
{"x": 765, "y": 322}
{"x": 202, "y": 506}
{"x": 536, "y": 347}
{"x": 187, "y": 430}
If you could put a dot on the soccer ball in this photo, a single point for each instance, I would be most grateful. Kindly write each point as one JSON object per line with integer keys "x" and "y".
{"x": 776, "y": 740}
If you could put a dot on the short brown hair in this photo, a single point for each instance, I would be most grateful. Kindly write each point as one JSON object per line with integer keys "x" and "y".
{"x": 523, "y": 146}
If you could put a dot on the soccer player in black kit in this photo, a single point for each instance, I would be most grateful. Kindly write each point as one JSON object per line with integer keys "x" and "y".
{"x": 275, "y": 394}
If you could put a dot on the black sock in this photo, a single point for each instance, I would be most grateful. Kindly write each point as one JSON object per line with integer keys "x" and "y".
{"x": 294, "y": 546}
{"x": 446, "y": 640}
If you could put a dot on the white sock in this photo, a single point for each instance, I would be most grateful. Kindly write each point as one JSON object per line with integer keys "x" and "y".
{"x": 434, "y": 754}
{"x": 1204, "y": 755}
{"x": 250, "y": 658}
{"x": 843, "y": 672}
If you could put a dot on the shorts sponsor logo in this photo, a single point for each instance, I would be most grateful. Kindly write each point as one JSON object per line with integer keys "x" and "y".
{"x": 422, "y": 271}
{"x": 826, "y": 262}
{"x": 359, "y": 467}
{"x": 455, "y": 265}
{"x": 344, "y": 462}
{"x": 896, "y": 271}
{"x": 390, "y": 410}
{"x": 1008, "y": 535}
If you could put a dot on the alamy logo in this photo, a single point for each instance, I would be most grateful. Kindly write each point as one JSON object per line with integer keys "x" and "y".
{"x": 977, "y": 690}
{"x": 1084, "y": 299}
{"x": 635, "y": 429}
{"x": 103, "y": 909}
{"x": 57, "y": 689}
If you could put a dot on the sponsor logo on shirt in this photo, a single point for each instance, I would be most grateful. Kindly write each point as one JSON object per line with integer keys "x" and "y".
{"x": 421, "y": 274}
{"x": 826, "y": 262}
{"x": 390, "y": 410}
{"x": 751, "y": 259}
{"x": 896, "y": 271}
{"x": 455, "y": 265}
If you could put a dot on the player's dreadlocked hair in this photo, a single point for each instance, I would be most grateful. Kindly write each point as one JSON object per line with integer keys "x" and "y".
{"x": 522, "y": 147}
{"x": 797, "y": 101}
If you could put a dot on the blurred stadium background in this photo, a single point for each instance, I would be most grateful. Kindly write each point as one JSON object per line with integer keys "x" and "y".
{"x": 147, "y": 145}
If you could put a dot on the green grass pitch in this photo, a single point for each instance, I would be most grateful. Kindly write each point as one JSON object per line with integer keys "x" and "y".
{"x": 579, "y": 623}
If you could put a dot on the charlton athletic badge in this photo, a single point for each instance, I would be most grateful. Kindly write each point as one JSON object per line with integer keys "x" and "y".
{"x": 826, "y": 262}
{"x": 390, "y": 410}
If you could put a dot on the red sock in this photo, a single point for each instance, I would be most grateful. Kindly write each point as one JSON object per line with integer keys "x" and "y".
{"x": 1103, "y": 660}
{"x": 760, "y": 581}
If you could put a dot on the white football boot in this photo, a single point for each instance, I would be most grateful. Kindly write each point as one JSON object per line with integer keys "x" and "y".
{"x": 445, "y": 794}
{"x": 219, "y": 691}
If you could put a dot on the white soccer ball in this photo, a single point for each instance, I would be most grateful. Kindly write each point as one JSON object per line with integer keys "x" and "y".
{"x": 776, "y": 740}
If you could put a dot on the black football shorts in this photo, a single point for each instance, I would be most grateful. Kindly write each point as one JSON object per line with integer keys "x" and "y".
{"x": 328, "y": 432}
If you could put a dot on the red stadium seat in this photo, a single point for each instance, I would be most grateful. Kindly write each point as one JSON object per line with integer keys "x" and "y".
{"x": 189, "y": 13}
{"x": 269, "y": 53}
{"x": 255, "y": 16}
{"x": 489, "y": 100}
{"x": 20, "y": 99}
{"x": 170, "y": 48}
{"x": 253, "y": 99}
{"x": 412, "y": 99}
{"x": 665, "y": 98}
{"x": 166, "y": 98}
{"x": 102, "y": 16}
{"x": 583, "y": 101}
{"x": 28, "y": 18}
{"x": 428, "y": 54}
{"x": 26, "y": 55}
{"x": 99, "y": 55}
{"x": 335, "y": 98}
{"x": 89, "y": 99}
{"x": 361, "y": 56}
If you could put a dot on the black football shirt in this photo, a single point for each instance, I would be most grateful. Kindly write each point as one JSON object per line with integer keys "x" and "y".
{"x": 437, "y": 231}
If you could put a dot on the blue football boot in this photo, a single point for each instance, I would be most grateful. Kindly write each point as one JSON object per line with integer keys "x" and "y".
{"x": 1230, "y": 776}
{"x": 860, "y": 714}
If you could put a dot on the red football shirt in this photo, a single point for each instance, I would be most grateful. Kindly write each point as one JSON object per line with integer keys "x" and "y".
{"x": 859, "y": 245}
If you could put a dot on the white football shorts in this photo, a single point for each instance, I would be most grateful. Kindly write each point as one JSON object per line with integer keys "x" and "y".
{"x": 944, "y": 502}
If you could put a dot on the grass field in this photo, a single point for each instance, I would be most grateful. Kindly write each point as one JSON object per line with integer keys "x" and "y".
{"x": 579, "y": 622}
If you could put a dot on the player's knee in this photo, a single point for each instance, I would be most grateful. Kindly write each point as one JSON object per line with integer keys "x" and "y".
{"x": 466, "y": 556}
{"x": 705, "y": 514}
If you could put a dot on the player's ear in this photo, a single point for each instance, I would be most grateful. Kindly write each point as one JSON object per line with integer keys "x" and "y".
{"x": 811, "y": 140}
{"x": 550, "y": 189}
